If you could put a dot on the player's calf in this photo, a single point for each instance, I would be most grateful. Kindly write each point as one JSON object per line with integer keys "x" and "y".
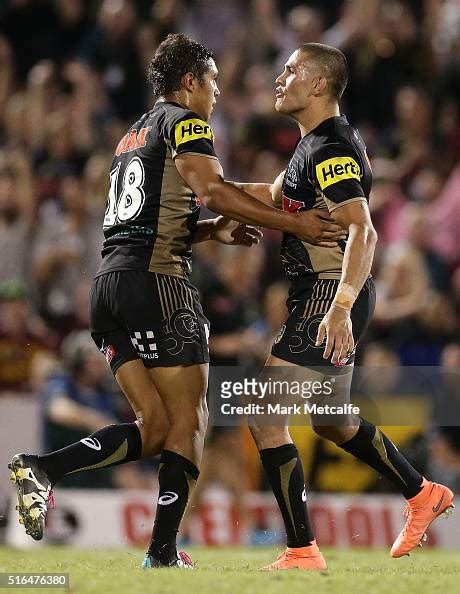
{"x": 177, "y": 477}
{"x": 183, "y": 393}
{"x": 186, "y": 435}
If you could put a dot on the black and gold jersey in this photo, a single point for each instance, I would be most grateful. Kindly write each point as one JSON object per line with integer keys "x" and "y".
{"x": 329, "y": 168}
{"x": 151, "y": 214}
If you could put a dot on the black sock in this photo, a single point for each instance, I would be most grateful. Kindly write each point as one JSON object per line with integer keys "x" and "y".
{"x": 375, "y": 449}
{"x": 285, "y": 473}
{"x": 111, "y": 445}
{"x": 177, "y": 477}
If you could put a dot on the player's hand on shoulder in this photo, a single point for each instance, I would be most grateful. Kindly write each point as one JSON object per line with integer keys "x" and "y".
{"x": 231, "y": 232}
{"x": 336, "y": 331}
{"x": 318, "y": 228}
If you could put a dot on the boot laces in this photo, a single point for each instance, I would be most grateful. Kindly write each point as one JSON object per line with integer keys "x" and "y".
{"x": 185, "y": 559}
{"x": 51, "y": 501}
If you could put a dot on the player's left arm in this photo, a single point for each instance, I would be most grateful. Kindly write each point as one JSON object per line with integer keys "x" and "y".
{"x": 269, "y": 194}
{"x": 354, "y": 217}
{"x": 227, "y": 231}
{"x": 230, "y": 232}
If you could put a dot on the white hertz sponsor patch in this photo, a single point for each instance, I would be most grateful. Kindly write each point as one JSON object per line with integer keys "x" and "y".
{"x": 337, "y": 169}
{"x": 192, "y": 129}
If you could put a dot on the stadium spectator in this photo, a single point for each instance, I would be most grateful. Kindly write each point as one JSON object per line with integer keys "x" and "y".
{"x": 386, "y": 204}
{"x": 273, "y": 315}
{"x": 413, "y": 310}
{"x": 444, "y": 215}
{"x": 115, "y": 55}
{"x": 67, "y": 247}
{"x": 444, "y": 442}
{"x": 77, "y": 401}
{"x": 228, "y": 303}
{"x": 17, "y": 210}
{"x": 23, "y": 335}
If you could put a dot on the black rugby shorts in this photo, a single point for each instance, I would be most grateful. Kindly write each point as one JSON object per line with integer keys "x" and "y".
{"x": 153, "y": 317}
{"x": 296, "y": 339}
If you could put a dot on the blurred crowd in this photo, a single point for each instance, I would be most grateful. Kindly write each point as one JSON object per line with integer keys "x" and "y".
{"x": 72, "y": 79}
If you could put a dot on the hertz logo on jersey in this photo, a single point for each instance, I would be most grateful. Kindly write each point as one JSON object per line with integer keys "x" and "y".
{"x": 192, "y": 129}
{"x": 337, "y": 169}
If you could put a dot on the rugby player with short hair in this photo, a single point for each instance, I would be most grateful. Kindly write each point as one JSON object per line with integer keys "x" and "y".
{"x": 331, "y": 302}
{"x": 145, "y": 314}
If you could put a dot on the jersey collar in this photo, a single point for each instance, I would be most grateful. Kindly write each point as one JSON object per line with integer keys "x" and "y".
{"x": 327, "y": 122}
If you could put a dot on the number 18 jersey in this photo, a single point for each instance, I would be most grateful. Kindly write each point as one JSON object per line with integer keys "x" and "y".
{"x": 151, "y": 214}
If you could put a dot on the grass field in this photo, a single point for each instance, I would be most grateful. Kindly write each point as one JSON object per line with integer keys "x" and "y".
{"x": 232, "y": 571}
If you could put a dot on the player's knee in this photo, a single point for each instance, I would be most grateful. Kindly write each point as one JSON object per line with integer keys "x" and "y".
{"x": 325, "y": 432}
{"x": 191, "y": 422}
{"x": 154, "y": 430}
{"x": 268, "y": 436}
{"x": 152, "y": 443}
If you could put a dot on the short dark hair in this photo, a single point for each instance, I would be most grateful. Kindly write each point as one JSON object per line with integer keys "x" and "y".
{"x": 333, "y": 63}
{"x": 175, "y": 56}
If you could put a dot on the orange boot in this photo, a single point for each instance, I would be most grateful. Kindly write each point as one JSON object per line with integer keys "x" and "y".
{"x": 299, "y": 558}
{"x": 421, "y": 510}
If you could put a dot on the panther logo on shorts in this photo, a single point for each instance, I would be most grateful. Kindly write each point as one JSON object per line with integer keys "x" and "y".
{"x": 183, "y": 325}
{"x": 308, "y": 327}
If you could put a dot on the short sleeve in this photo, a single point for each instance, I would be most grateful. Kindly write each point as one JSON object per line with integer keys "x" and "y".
{"x": 186, "y": 132}
{"x": 337, "y": 174}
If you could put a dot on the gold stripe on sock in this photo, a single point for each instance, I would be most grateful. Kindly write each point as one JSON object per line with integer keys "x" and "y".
{"x": 379, "y": 445}
{"x": 285, "y": 476}
{"x": 118, "y": 455}
{"x": 190, "y": 481}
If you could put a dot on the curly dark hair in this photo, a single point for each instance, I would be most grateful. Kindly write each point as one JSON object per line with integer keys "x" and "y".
{"x": 175, "y": 56}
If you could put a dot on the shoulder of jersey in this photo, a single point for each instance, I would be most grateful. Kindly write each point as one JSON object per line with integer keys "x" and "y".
{"x": 335, "y": 161}
{"x": 185, "y": 126}
{"x": 336, "y": 137}
{"x": 173, "y": 112}
{"x": 136, "y": 136}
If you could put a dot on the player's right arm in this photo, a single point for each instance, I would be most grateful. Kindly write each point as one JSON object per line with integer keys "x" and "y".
{"x": 338, "y": 175}
{"x": 205, "y": 177}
